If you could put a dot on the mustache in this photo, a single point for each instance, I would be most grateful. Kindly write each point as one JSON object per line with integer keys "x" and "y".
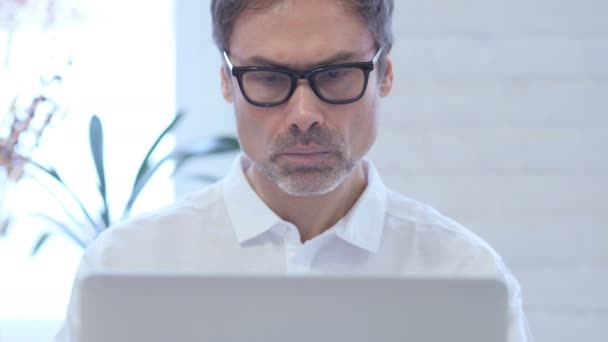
{"x": 313, "y": 136}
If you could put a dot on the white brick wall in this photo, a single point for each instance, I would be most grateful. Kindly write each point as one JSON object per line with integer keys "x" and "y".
{"x": 499, "y": 118}
{"x": 482, "y": 17}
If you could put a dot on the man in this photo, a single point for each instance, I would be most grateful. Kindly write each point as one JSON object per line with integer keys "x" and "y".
{"x": 305, "y": 79}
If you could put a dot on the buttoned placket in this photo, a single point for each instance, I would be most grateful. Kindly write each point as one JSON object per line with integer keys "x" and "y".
{"x": 299, "y": 257}
{"x": 295, "y": 262}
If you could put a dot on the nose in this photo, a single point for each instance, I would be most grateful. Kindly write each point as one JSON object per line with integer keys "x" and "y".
{"x": 304, "y": 111}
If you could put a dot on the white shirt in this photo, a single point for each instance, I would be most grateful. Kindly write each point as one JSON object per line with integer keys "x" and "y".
{"x": 227, "y": 228}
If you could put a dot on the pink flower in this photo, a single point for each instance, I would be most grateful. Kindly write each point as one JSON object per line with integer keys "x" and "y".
{"x": 39, "y": 13}
{"x": 14, "y": 156}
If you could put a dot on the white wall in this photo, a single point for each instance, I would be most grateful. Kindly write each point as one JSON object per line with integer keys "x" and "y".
{"x": 198, "y": 90}
{"x": 499, "y": 119}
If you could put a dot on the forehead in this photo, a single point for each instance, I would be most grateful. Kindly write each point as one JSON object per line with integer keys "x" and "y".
{"x": 299, "y": 33}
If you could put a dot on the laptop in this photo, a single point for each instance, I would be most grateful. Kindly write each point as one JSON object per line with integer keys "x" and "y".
{"x": 162, "y": 307}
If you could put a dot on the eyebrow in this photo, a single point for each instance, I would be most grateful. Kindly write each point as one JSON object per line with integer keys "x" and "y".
{"x": 339, "y": 57}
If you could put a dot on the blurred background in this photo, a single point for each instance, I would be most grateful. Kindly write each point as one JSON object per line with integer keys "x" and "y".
{"x": 498, "y": 119}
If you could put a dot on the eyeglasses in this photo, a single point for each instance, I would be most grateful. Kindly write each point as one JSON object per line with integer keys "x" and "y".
{"x": 268, "y": 86}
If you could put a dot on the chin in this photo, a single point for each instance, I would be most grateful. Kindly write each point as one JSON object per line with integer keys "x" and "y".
{"x": 311, "y": 185}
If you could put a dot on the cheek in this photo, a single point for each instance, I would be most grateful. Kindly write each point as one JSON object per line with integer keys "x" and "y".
{"x": 255, "y": 128}
{"x": 363, "y": 129}
{"x": 365, "y": 133}
{"x": 248, "y": 129}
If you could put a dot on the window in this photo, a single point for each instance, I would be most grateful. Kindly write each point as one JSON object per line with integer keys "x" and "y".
{"x": 122, "y": 70}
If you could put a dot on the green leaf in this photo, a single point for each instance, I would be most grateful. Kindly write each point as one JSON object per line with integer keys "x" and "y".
{"x": 49, "y": 171}
{"x": 145, "y": 164}
{"x": 4, "y": 226}
{"x": 53, "y": 173}
{"x": 65, "y": 229}
{"x": 202, "y": 178}
{"x": 96, "y": 140}
{"x": 202, "y": 148}
{"x": 41, "y": 240}
{"x": 214, "y": 145}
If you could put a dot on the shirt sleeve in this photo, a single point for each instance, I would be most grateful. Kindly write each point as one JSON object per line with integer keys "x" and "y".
{"x": 70, "y": 328}
{"x": 488, "y": 262}
{"x": 484, "y": 261}
{"x": 518, "y": 330}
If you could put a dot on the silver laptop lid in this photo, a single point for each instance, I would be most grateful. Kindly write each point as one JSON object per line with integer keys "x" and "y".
{"x": 155, "y": 308}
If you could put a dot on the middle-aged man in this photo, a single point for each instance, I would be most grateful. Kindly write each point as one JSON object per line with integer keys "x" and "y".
{"x": 305, "y": 78}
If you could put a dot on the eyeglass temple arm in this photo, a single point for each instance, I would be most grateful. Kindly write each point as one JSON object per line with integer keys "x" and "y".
{"x": 230, "y": 66}
{"x": 376, "y": 57}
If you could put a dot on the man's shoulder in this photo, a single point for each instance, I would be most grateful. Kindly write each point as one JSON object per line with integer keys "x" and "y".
{"x": 183, "y": 213}
{"x": 423, "y": 216}
{"x": 440, "y": 240}
{"x": 179, "y": 224}
{"x": 440, "y": 246}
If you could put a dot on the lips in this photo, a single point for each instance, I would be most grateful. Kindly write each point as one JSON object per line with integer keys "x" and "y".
{"x": 305, "y": 150}
{"x": 305, "y": 154}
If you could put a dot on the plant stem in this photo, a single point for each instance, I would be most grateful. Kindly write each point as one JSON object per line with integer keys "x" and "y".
{"x": 70, "y": 192}
{"x": 63, "y": 206}
{"x": 64, "y": 228}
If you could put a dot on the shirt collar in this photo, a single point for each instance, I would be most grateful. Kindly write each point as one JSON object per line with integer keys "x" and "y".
{"x": 363, "y": 224}
{"x": 251, "y": 217}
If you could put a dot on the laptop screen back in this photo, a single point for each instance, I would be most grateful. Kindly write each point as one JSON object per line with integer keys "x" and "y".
{"x": 154, "y": 308}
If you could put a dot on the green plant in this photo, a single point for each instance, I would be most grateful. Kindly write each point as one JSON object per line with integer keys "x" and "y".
{"x": 29, "y": 115}
{"x": 99, "y": 221}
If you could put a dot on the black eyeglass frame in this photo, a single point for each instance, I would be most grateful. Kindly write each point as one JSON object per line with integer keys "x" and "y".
{"x": 239, "y": 71}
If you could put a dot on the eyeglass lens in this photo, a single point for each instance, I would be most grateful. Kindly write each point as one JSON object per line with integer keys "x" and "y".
{"x": 337, "y": 84}
{"x": 340, "y": 84}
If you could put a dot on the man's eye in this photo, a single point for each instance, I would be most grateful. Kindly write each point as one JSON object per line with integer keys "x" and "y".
{"x": 334, "y": 74}
{"x": 266, "y": 78}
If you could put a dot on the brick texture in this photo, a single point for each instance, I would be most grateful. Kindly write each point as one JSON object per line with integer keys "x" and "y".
{"x": 499, "y": 118}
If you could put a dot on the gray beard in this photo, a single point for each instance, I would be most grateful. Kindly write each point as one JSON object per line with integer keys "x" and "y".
{"x": 308, "y": 180}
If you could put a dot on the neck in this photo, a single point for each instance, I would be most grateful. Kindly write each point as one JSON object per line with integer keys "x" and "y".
{"x": 314, "y": 214}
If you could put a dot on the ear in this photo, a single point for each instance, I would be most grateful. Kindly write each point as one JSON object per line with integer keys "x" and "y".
{"x": 387, "y": 81}
{"x": 226, "y": 86}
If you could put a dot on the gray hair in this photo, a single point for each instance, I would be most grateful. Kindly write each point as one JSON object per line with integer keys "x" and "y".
{"x": 377, "y": 14}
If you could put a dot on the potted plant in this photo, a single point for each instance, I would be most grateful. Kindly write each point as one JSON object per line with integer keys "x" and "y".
{"x": 16, "y": 166}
